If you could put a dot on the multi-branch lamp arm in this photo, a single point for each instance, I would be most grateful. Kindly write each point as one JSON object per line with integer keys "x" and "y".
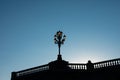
{"x": 59, "y": 39}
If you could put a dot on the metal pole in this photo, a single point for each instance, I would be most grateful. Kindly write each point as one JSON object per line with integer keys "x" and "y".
{"x": 59, "y": 45}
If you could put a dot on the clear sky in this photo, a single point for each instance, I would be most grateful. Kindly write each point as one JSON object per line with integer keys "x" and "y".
{"x": 27, "y": 28}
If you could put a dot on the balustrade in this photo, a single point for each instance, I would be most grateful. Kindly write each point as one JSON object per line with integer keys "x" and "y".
{"x": 73, "y": 66}
{"x": 77, "y": 66}
{"x": 114, "y": 62}
{"x": 33, "y": 70}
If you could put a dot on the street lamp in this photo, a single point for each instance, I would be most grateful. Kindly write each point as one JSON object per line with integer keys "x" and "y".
{"x": 59, "y": 39}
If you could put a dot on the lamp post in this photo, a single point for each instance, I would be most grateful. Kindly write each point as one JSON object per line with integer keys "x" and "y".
{"x": 59, "y": 39}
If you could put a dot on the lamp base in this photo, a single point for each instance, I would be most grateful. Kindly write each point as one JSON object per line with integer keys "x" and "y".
{"x": 59, "y": 58}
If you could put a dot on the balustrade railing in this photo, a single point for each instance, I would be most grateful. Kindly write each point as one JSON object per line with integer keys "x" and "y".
{"x": 32, "y": 70}
{"x": 102, "y": 64}
{"x": 108, "y": 63}
{"x": 73, "y": 66}
{"x": 77, "y": 66}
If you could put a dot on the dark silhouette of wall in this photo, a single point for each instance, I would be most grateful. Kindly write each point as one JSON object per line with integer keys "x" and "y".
{"x": 63, "y": 70}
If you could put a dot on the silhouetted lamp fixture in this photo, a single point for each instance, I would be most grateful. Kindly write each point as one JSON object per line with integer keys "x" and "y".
{"x": 59, "y": 39}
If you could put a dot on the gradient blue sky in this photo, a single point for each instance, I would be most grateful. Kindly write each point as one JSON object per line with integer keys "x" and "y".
{"x": 27, "y": 28}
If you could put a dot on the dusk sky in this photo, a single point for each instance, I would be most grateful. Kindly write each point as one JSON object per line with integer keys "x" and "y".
{"x": 27, "y": 29}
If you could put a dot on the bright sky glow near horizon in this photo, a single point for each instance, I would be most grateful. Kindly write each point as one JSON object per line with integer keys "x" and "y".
{"x": 27, "y": 29}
